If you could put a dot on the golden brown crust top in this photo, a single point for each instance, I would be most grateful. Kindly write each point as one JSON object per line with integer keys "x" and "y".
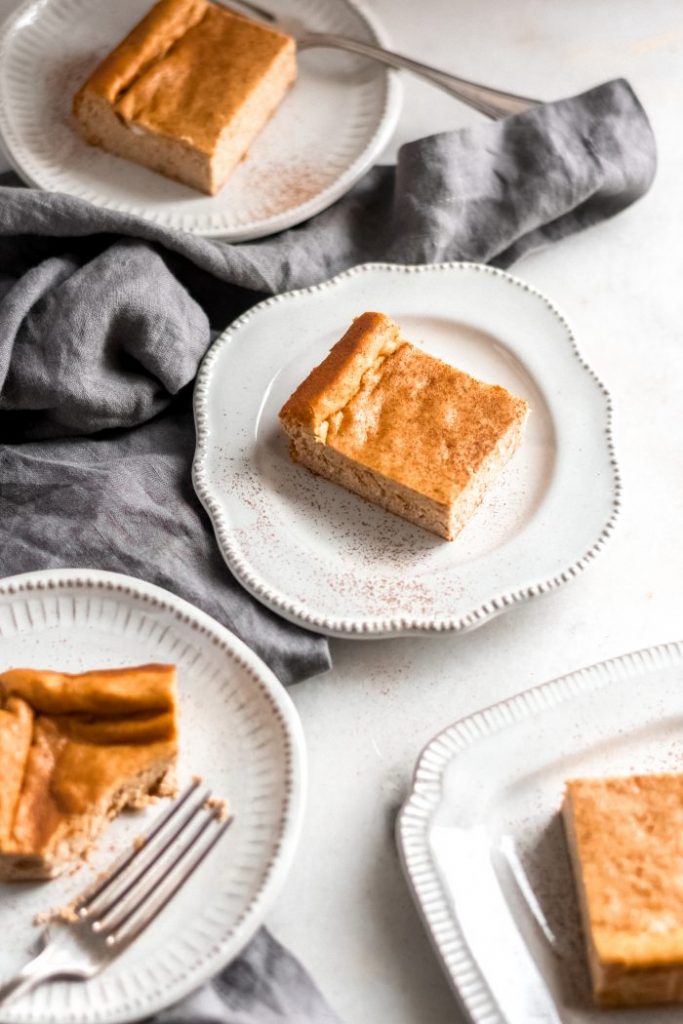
{"x": 146, "y": 44}
{"x": 105, "y": 692}
{"x": 405, "y": 414}
{"x": 186, "y": 69}
{"x": 67, "y": 742}
{"x": 629, "y": 841}
{"x": 331, "y": 384}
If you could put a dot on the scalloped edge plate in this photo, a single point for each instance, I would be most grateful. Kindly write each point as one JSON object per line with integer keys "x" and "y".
{"x": 68, "y": 618}
{"x": 331, "y": 562}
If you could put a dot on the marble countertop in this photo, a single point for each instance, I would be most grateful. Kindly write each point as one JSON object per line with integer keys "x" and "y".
{"x": 346, "y": 910}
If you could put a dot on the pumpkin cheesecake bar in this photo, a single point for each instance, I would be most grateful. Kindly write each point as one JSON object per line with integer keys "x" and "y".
{"x": 402, "y": 428}
{"x": 74, "y": 751}
{"x": 187, "y": 91}
{"x": 625, "y": 837}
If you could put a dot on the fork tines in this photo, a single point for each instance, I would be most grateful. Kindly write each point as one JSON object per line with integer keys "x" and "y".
{"x": 120, "y": 905}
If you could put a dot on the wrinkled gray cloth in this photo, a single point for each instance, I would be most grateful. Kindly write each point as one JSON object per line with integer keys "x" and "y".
{"x": 105, "y": 317}
{"x": 265, "y": 985}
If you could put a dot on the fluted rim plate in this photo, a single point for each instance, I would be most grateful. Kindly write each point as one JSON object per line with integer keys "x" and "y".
{"x": 238, "y": 730}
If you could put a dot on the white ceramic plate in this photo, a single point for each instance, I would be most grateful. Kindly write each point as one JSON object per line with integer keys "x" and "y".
{"x": 328, "y": 131}
{"x": 238, "y": 729}
{"x": 327, "y": 559}
{"x": 483, "y": 846}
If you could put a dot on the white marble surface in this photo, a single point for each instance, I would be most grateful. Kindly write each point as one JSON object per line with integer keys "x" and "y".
{"x": 346, "y": 910}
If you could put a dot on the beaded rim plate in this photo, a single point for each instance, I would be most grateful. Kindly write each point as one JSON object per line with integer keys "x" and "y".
{"x": 238, "y": 730}
{"x": 330, "y": 561}
{"x": 329, "y": 130}
{"x": 482, "y": 844}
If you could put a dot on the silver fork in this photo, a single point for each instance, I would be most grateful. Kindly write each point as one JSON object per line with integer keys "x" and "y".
{"x": 109, "y": 915}
{"x": 494, "y": 103}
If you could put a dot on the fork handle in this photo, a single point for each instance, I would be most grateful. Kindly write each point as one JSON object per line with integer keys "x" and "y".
{"x": 41, "y": 968}
{"x": 492, "y": 102}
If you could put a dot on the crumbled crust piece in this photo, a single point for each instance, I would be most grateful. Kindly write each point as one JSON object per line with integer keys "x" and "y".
{"x": 219, "y": 806}
{"x": 67, "y": 914}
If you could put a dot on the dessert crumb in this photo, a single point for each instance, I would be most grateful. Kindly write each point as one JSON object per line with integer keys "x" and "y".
{"x": 67, "y": 913}
{"x": 218, "y": 806}
{"x": 139, "y": 842}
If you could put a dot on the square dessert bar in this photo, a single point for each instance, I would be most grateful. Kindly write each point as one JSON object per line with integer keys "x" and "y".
{"x": 401, "y": 428}
{"x": 625, "y": 838}
{"x": 187, "y": 91}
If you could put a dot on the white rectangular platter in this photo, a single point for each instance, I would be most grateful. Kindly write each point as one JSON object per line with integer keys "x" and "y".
{"x": 482, "y": 841}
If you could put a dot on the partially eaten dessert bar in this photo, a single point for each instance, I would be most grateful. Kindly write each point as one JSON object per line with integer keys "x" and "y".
{"x": 402, "y": 428}
{"x": 74, "y": 751}
{"x": 187, "y": 91}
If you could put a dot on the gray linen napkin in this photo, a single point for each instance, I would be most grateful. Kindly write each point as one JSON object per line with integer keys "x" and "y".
{"x": 105, "y": 317}
{"x": 265, "y": 985}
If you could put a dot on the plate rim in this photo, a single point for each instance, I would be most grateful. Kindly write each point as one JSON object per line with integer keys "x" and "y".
{"x": 413, "y": 822}
{"x": 371, "y": 626}
{"x": 296, "y": 774}
{"x": 295, "y": 215}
